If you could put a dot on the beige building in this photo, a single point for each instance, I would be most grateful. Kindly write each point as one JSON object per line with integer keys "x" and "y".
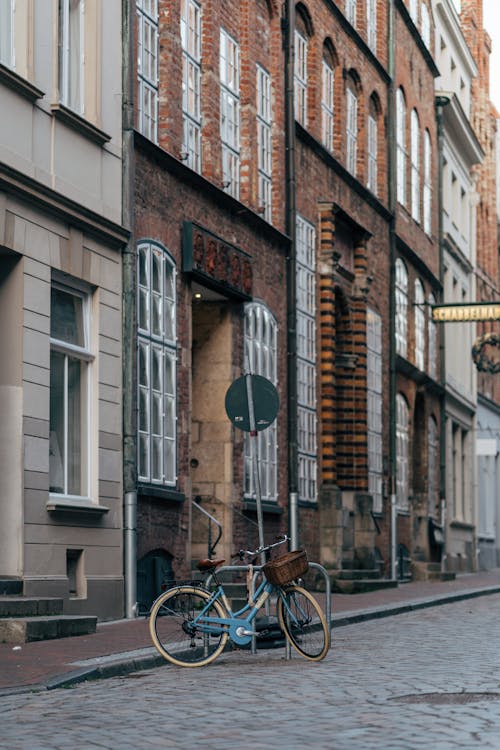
{"x": 61, "y": 237}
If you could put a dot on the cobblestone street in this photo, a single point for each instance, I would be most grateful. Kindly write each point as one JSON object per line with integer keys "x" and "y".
{"x": 386, "y": 684}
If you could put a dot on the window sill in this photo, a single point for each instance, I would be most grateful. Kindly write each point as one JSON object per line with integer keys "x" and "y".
{"x": 19, "y": 85}
{"x": 162, "y": 493}
{"x": 465, "y": 525}
{"x": 65, "y": 505}
{"x": 270, "y": 508}
{"x": 78, "y": 123}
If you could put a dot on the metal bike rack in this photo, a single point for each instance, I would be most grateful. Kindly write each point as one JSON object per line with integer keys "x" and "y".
{"x": 256, "y": 572}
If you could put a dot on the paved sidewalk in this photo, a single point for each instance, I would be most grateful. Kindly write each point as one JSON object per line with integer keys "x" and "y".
{"x": 125, "y": 646}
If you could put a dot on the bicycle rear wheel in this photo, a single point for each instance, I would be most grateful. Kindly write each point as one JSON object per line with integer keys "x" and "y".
{"x": 303, "y": 622}
{"x": 175, "y": 633}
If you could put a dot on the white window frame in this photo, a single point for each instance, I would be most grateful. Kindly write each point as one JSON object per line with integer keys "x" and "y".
{"x": 415, "y": 165}
{"x": 414, "y": 10}
{"x": 191, "y": 83}
{"x": 432, "y": 463}
{"x": 147, "y": 68}
{"x": 371, "y": 24}
{"x": 306, "y": 361}
{"x": 402, "y": 453}
{"x": 264, "y": 141}
{"x": 374, "y": 406}
{"x": 229, "y": 67}
{"x": 7, "y": 52}
{"x": 327, "y": 104}
{"x": 351, "y": 130}
{"x": 261, "y": 339}
{"x": 419, "y": 321}
{"x": 300, "y": 78}
{"x": 401, "y": 154}
{"x": 372, "y": 154}
{"x": 427, "y": 192}
{"x": 431, "y": 339}
{"x": 425, "y": 25}
{"x": 72, "y": 54}
{"x": 350, "y": 11}
{"x": 73, "y": 352}
{"x": 401, "y": 308}
{"x": 157, "y": 362}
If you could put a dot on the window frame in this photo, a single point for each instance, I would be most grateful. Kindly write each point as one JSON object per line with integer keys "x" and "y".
{"x": 7, "y": 31}
{"x": 427, "y": 189}
{"x": 372, "y": 153}
{"x": 351, "y": 129}
{"x": 419, "y": 324}
{"x": 191, "y": 83}
{"x": 71, "y": 94}
{"x": 229, "y": 80}
{"x": 264, "y": 141}
{"x": 374, "y": 407}
{"x": 327, "y": 104}
{"x": 301, "y": 45}
{"x": 401, "y": 308}
{"x": 147, "y": 69}
{"x": 431, "y": 338}
{"x": 432, "y": 463}
{"x": 350, "y": 11}
{"x": 401, "y": 153}
{"x": 402, "y": 453}
{"x": 415, "y": 165}
{"x": 371, "y": 24}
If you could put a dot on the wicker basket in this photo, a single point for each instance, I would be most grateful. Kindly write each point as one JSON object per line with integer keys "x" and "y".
{"x": 286, "y": 568}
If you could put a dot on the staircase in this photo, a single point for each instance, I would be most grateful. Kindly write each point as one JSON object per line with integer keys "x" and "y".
{"x": 359, "y": 581}
{"x": 24, "y": 619}
{"x": 427, "y": 571}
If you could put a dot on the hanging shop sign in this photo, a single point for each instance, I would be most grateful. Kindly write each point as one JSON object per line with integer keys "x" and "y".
{"x": 215, "y": 263}
{"x": 482, "y": 350}
{"x": 465, "y": 313}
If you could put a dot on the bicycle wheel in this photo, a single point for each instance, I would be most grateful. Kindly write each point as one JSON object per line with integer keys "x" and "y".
{"x": 303, "y": 622}
{"x": 174, "y": 633}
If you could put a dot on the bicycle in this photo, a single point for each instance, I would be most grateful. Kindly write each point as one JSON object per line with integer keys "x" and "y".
{"x": 190, "y": 625}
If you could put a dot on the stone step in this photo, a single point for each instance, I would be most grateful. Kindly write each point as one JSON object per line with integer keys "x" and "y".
{"x": 361, "y": 586}
{"x": 24, "y": 606}
{"x": 358, "y": 575}
{"x": 28, "y": 629}
{"x": 10, "y": 586}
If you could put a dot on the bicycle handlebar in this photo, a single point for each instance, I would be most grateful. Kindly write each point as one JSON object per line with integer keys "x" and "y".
{"x": 244, "y": 552}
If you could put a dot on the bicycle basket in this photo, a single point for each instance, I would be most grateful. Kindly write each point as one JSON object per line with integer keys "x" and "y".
{"x": 286, "y": 568}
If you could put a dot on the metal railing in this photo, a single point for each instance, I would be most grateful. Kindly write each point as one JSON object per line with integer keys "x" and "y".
{"x": 211, "y": 520}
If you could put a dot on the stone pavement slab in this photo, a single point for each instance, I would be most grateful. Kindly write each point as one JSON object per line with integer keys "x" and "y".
{"x": 124, "y": 646}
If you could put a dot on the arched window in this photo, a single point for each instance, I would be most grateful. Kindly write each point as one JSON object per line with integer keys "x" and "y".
{"x": 415, "y": 166}
{"x": 432, "y": 339}
{"x": 157, "y": 406}
{"x": 401, "y": 308}
{"x": 372, "y": 144}
{"x": 327, "y": 96}
{"x": 419, "y": 324}
{"x": 402, "y": 452}
{"x": 351, "y": 126}
{"x": 261, "y": 359}
{"x": 427, "y": 183}
{"x": 401, "y": 146}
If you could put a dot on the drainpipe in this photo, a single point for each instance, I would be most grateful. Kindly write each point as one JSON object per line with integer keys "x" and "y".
{"x": 441, "y": 101}
{"x": 392, "y": 286}
{"x": 129, "y": 323}
{"x": 291, "y": 273}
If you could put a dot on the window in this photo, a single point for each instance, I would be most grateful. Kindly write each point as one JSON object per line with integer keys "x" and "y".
{"x": 414, "y": 10}
{"x": 157, "y": 407}
{"x": 230, "y": 113}
{"x": 306, "y": 360}
{"x": 350, "y": 11}
{"x": 71, "y": 54}
{"x": 7, "y": 32}
{"x": 191, "y": 82}
{"x": 261, "y": 359}
{"x": 374, "y": 398}
{"x": 401, "y": 308}
{"x": 425, "y": 25}
{"x": 147, "y": 68}
{"x": 427, "y": 183}
{"x": 401, "y": 147}
{"x": 351, "y": 130}
{"x": 264, "y": 120}
{"x": 432, "y": 339}
{"x": 415, "y": 166}
{"x": 70, "y": 398}
{"x": 300, "y": 78}
{"x": 327, "y": 90}
{"x": 372, "y": 153}
{"x": 402, "y": 453}
{"x": 371, "y": 24}
{"x": 419, "y": 324}
{"x": 433, "y": 463}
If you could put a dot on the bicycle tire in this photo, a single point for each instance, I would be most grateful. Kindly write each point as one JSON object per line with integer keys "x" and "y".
{"x": 309, "y": 635}
{"x": 169, "y": 627}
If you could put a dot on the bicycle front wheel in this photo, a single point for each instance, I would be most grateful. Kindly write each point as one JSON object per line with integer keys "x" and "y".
{"x": 303, "y": 622}
{"x": 173, "y": 628}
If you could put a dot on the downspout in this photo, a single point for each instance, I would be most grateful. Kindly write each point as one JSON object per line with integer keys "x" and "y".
{"x": 128, "y": 325}
{"x": 392, "y": 287}
{"x": 290, "y": 224}
{"x": 441, "y": 101}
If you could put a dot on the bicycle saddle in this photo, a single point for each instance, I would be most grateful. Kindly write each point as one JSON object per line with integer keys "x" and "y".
{"x": 209, "y": 564}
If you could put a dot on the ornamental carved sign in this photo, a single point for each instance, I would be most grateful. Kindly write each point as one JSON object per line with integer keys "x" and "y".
{"x": 483, "y": 355}
{"x": 216, "y": 263}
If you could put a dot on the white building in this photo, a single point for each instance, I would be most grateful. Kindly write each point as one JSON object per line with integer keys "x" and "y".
{"x": 460, "y": 151}
{"x": 61, "y": 236}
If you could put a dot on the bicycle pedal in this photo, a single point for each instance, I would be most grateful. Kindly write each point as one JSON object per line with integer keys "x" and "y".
{"x": 243, "y": 631}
